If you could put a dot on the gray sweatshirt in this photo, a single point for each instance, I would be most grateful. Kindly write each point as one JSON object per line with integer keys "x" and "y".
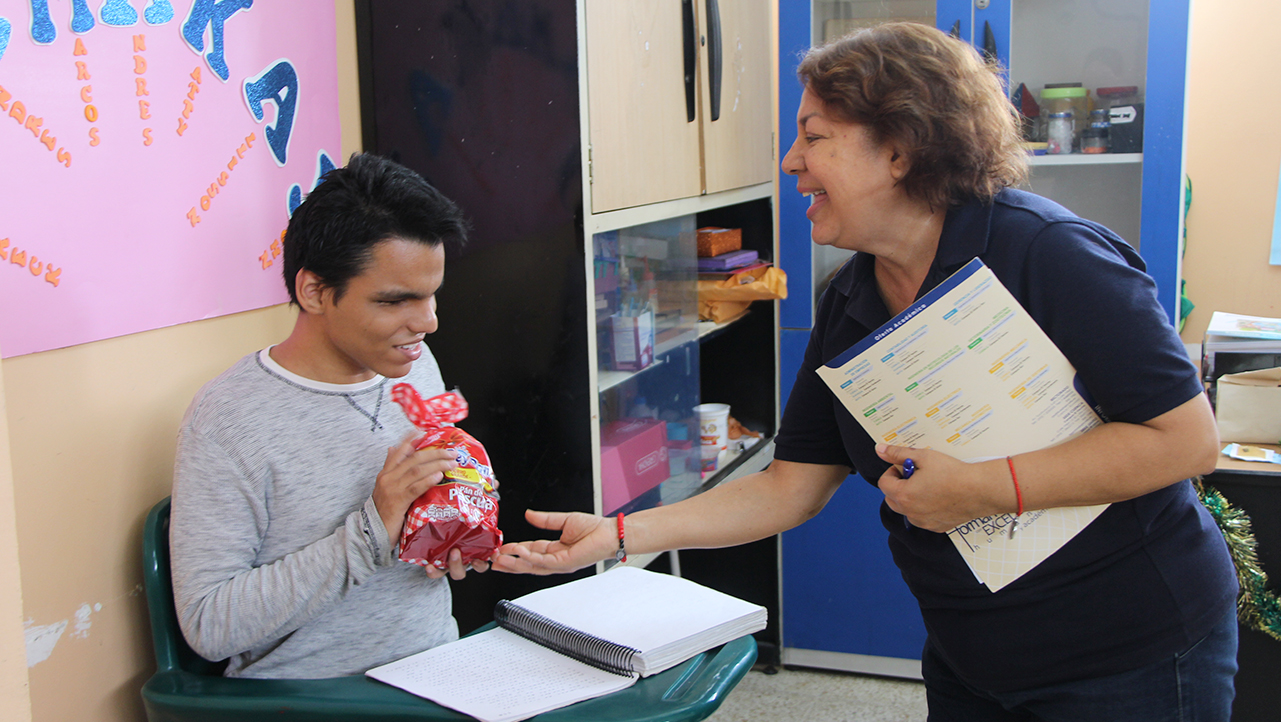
{"x": 280, "y": 560}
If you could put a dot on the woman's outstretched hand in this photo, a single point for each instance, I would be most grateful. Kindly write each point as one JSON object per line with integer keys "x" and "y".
{"x": 584, "y": 539}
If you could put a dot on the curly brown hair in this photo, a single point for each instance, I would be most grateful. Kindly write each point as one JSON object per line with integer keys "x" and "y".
{"x": 933, "y": 95}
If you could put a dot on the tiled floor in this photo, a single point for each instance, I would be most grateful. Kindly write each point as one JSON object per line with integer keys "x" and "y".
{"x": 805, "y": 695}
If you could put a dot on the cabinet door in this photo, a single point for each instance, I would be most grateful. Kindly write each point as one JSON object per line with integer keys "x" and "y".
{"x": 644, "y": 141}
{"x": 738, "y": 145}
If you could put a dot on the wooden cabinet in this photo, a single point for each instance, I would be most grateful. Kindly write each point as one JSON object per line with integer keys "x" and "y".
{"x": 679, "y": 99}
{"x": 491, "y": 102}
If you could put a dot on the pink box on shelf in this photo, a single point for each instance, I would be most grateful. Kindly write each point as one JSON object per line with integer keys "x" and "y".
{"x": 633, "y": 460}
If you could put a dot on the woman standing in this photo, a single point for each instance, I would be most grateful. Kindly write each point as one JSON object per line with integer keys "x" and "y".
{"x": 909, "y": 150}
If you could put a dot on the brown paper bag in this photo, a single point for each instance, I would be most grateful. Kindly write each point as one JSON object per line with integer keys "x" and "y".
{"x": 762, "y": 283}
{"x": 1248, "y": 406}
{"x": 723, "y": 300}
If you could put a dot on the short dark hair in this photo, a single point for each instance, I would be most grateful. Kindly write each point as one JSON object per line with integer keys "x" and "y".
{"x": 372, "y": 199}
{"x": 932, "y": 94}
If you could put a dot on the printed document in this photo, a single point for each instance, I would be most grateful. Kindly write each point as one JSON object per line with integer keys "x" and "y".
{"x": 966, "y": 371}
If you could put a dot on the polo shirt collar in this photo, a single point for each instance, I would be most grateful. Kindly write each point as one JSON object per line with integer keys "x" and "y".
{"x": 965, "y": 236}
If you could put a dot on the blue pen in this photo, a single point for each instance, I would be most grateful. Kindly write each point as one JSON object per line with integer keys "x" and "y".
{"x": 909, "y": 468}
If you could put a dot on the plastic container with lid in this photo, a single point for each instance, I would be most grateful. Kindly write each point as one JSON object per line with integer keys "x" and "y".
{"x": 1118, "y": 95}
{"x": 1125, "y": 117}
{"x": 1060, "y": 97}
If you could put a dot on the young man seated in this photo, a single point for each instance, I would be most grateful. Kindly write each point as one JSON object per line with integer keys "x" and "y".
{"x": 295, "y": 469}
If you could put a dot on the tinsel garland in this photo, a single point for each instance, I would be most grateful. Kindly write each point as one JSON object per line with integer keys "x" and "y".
{"x": 1257, "y": 606}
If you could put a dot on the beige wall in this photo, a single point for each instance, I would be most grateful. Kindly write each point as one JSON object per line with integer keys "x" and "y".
{"x": 15, "y": 700}
{"x": 90, "y": 428}
{"x": 88, "y": 450}
{"x": 1234, "y": 154}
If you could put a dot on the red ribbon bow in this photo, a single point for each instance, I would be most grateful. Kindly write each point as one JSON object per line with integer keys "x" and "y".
{"x": 447, "y": 408}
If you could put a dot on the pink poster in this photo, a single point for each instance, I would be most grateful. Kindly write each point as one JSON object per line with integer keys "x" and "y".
{"x": 150, "y": 156}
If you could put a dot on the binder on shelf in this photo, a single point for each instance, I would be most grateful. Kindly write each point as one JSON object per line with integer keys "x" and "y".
{"x": 573, "y": 642}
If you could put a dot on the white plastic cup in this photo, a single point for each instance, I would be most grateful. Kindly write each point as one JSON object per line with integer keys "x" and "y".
{"x": 713, "y": 433}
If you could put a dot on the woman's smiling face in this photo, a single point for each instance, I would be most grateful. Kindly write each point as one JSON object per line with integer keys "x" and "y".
{"x": 850, "y": 180}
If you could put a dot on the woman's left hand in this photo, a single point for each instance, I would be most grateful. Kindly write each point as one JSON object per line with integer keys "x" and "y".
{"x": 941, "y": 494}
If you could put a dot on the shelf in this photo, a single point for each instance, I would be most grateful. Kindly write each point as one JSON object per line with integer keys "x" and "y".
{"x": 1085, "y": 159}
{"x": 679, "y": 487}
{"x": 707, "y": 329}
{"x": 639, "y": 215}
{"x": 607, "y": 379}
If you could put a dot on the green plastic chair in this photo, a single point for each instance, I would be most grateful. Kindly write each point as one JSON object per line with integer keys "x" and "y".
{"x": 188, "y": 688}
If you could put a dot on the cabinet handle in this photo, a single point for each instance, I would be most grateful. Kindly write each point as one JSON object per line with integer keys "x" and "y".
{"x": 715, "y": 64}
{"x": 691, "y": 57}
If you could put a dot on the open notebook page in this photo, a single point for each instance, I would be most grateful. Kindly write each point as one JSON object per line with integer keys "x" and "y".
{"x": 497, "y": 676}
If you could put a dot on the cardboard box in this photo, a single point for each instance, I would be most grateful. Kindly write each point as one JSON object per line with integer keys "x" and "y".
{"x": 633, "y": 460}
{"x": 1248, "y": 406}
{"x": 713, "y": 240}
{"x": 632, "y": 341}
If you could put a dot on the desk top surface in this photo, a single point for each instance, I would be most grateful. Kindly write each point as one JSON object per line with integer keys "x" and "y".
{"x": 1227, "y": 463}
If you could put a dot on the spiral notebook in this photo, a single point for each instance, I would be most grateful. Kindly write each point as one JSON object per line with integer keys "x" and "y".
{"x": 572, "y": 642}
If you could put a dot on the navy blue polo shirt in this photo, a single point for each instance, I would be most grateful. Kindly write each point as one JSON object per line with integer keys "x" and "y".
{"x": 1149, "y": 576}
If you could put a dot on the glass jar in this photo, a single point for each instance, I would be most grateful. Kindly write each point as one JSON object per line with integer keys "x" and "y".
{"x": 1059, "y": 133}
{"x": 1094, "y": 140}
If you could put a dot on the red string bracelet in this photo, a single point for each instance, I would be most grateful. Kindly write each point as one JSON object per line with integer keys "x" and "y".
{"x": 621, "y": 554}
{"x": 1009, "y": 460}
{"x": 1013, "y": 475}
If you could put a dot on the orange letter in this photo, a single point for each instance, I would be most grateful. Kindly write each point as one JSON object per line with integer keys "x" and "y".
{"x": 35, "y": 266}
{"x": 144, "y": 110}
{"x": 48, "y": 140}
{"x": 192, "y": 89}
{"x": 222, "y": 178}
{"x": 204, "y": 203}
{"x": 140, "y": 85}
{"x": 181, "y": 126}
{"x": 195, "y": 74}
{"x": 19, "y": 111}
{"x": 33, "y": 124}
{"x": 85, "y": 94}
{"x": 53, "y": 275}
{"x": 80, "y": 48}
{"x": 4, "y": 246}
{"x": 266, "y": 260}
{"x": 64, "y": 157}
{"x": 146, "y": 136}
{"x": 4, "y": 98}
{"x": 93, "y": 138}
{"x": 275, "y": 248}
{"x": 213, "y": 190}
{"x": 91, "y": 113}
{"x": 82, "y": 72}
{"x": 139, "y": 65}
{"x": 139, "y": 43}
{"x": 249, "y": 139}
{"x": 19, "y": 258}
{"x": 231, "y": 164}
{"x": 187, "y": 107}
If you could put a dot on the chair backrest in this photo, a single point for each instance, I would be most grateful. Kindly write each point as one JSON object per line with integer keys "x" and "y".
{"x": 172, "y": 650}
